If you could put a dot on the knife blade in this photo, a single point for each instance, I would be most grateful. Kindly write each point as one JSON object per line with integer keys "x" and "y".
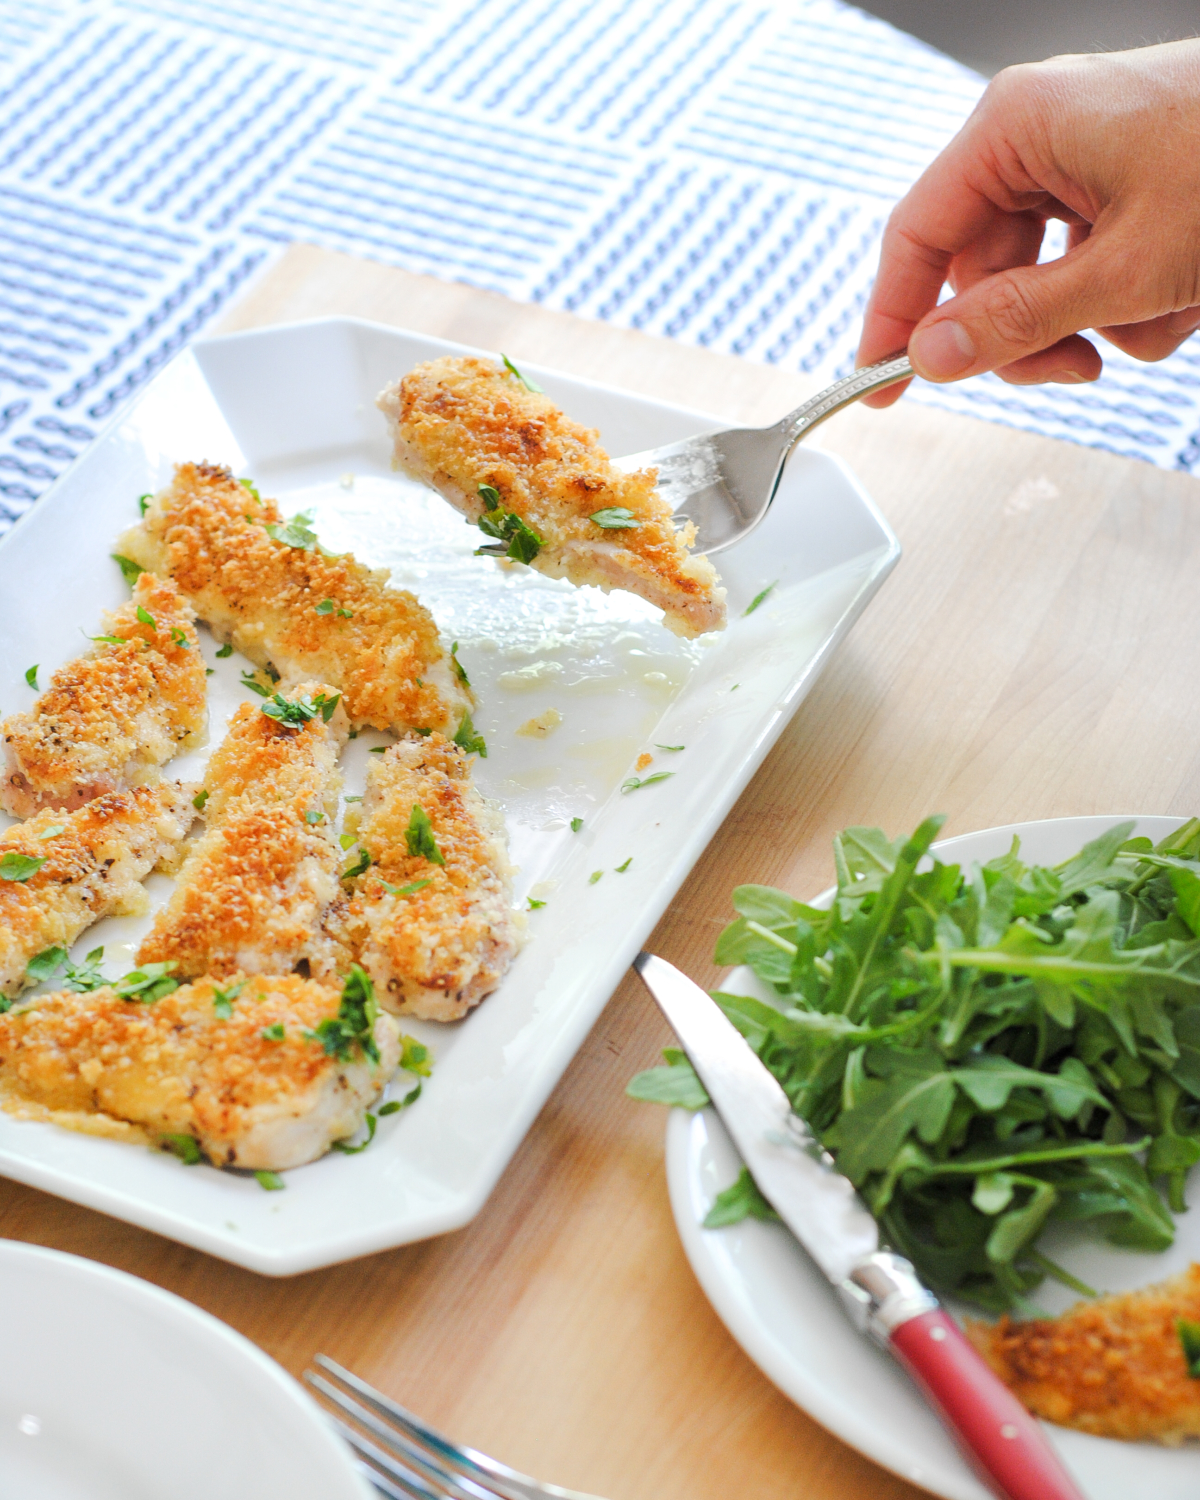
{"x": 879, "y": 1289}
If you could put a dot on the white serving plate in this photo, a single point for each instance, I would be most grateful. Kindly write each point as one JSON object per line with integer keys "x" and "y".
{"x": 112, "y": 1389}
{"x": 785, "y": 1315}
{"x": 293, "y": 407}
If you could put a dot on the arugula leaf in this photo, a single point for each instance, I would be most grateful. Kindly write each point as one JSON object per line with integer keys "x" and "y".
{"x": 418, "y": 836}
{"x": 743, "y": 1200}
{"x": 674, "y": 1084}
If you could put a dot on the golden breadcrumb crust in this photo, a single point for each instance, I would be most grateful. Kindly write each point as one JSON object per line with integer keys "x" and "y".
{"x": 1113, "y": 1367}
{"x": 256, "y": 887}
{"x": 458, "y": 423}
{"x": 207, "y": 532}
{"x": 177, "y": 1067}
{"x": 95, "y": 860}
{"x": 439, "y": 951}
{"x": 109, "y": 718}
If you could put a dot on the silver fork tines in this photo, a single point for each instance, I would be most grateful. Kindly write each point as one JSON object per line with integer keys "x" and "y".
{"x": 416, "y": 1462}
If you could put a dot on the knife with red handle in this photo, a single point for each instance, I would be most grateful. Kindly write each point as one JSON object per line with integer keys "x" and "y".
{"x": 879, "y": 1289}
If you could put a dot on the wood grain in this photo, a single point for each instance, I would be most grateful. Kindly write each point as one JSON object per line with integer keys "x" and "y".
{"x": 1033, "y": 656}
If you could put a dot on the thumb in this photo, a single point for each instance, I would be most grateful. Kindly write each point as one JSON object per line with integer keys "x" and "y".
{"x": 1018, "y": 311}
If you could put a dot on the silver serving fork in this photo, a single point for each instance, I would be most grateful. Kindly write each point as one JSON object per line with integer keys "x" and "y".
{"x": 724, "y": 482}
{"x": 407, "y": 1459}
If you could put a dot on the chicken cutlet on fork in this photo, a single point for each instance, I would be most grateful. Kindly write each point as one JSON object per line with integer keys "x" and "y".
{"x": 265, "y": 1073}
{"x": 60, "y": 872}
{"x": 256, "y": 886}
{"x": 431, "y": 921}
{"x": 108, "y": 719}
{"x": 496, "y": 449}
{"x": 267, "y": 587}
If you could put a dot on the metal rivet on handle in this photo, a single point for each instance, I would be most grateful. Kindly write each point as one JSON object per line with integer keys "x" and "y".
{"x": 937, "y": 1334}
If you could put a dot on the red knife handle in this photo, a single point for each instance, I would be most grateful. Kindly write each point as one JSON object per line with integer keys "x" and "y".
{"x": 996, "y": 1431}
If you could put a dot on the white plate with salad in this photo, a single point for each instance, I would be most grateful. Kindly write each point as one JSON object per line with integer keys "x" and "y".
{"x": 782, "y": 1311}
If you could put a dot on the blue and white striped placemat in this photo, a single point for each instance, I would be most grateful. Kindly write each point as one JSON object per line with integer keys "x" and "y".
{"x": 715, "y": 171}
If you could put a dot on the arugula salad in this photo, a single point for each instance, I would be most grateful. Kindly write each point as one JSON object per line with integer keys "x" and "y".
{"x": 983, "y": 1051}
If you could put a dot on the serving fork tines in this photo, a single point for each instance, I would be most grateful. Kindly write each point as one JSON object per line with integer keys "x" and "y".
{"x": 405, "y": 1458}
{"x": 724, "y": 482}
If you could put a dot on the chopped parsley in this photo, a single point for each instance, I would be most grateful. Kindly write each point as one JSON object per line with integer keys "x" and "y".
{"x": 594, "y": 876}
{"x": 459, "y": 670}
{"x": 85, "y": 977}
{"x": 145, "y": 617}
{"x": 298, "y": 711}
{"x": 312, "y": 817}
{"x": 297, "y": 533}
{"x": 19, "y": 867}
{"x": 185, "y": 1147}
{"x": 352, "y": 799}
{"x": 759, "y": 599}
{"x": 109, "y": 640}
{"x": 248, "y": 484}
{"x": 394, "y": 1106}
{"x": 199, "y": 800}
{"x": 414, "y": 1057}
{"x": 130, "y": 571}
{"x": 53, "y": 831}
{"x": 360, "y": 866}
{"x": 490, "y": 496}
{"x": 354, "y": 1024}
{"x": 379, "y": 749}
{"x": 147, "y": 984}
{"x": 467, "y": 738}
{"x": 144, "y": 502}
{"x": 45, "y": 965}
{"x": 516, "y": 539}
{"x": 404, "y": 890}
{"x": 250, "y": 680}
{"x": 362, "y": 1145}
{"x": 225, "y": 650}
{"x": 223, "y": 999}
{"x": 576, "y": 824}
{"x": 271, "y": 1181}
{"x": 535, "y": 905}
{"x": 31, "y": 677}
{"x": 530, "y": 385}
{"x": 634, "y": 783}
{"x": 419, "y": 837}
{"x": 674, "y": 748}
{"x": 179, "y": 636}
{"x": 272, "y": 1033}
{"x": 328, "y": 606}
{"x": 620, "y": 870}
{"x": 1189, "y": 1339}
{"x": 615, "y": 518}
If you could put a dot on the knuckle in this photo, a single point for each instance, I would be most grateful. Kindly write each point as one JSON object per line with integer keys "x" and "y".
{"x": 1016, "y": 314}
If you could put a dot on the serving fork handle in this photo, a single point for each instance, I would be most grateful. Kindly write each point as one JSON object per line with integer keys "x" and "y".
{"x": 853, "y": 387}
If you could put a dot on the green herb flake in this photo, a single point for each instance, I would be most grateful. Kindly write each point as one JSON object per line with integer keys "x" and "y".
{"x": 459, "y": 670}
{"x": 250, "y": 680}
{"x": 130, "y": 570}
{"x": 45, "y": 965}
{"x": 358, "y": 866}
{"x": 223, "y": 999}
{"x": 179, "y": 636}
{"x": 760, "y": 599}
{"x": 468, "y": 739}
{"x": 514, "y": 538}
{"x": 85, "y": 977}
{"x": 620, "y": 869}
{"x": 594, "y": 876}
{"x": 199, "y": 800}
{"x": 615, "y": 518}
{"x": 19, "y": 867}
{"x": 145, "y": 617}
{"x": 270, "y": 1181}
{"x": 353, "y": 1028}
{"x": 378, "y": 749}
{"x": 635, "y": 783}
{"x": 225, "y": 651}
{"x": 419, "y": 837}
{"x": 414, "y": 1057}
{"x": 491, "y": 496}
{"x": 185, "y": 1147}
{"x": 297, "y": 532}
{"x": 675, "y": 748}
{"x": 296, "y": 712}
{"x": 312, "y": 817}
{"x": 53, "y": 831}
{"x": 348, "y": 1150}
{"x": 535, "y": 905}
{"x": 326, "y": 607}
{"x": 144, "y": 503}
{"x": 273, "y": 1033}
{"x": 530, "y": 385}
{"x": 31, "y": 677}
{"x": 248, "y": 484}
{"x": 146, "y": 985}
{"x": 1189, "y": 1340}
{"x": 405, "y": 890}
{"x": 576, "y": 824}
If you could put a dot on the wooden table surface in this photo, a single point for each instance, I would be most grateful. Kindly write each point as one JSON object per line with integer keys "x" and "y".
{"x": 1034, "y": 655}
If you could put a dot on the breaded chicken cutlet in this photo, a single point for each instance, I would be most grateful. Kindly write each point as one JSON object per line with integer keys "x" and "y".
{"x": 431, "y": 921}
{"x": 257, "y": 885}
{"x": 60, "y": 872}
{"x": 110, "y": 718}
{"x": 263, "y": 1074}
{"x": 285, "y": 603}
{"x": 494, "y": 449}
{"x": 1113, "y": 1367}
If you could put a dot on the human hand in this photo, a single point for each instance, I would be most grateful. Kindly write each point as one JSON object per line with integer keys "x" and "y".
{"x": 1109, "y": 143}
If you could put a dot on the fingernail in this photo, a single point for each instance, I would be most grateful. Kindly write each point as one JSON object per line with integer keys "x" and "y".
{"x": 1185, "y": 322}
{"x": 1067, "y": 377}
{"x": 942, "y": 350}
